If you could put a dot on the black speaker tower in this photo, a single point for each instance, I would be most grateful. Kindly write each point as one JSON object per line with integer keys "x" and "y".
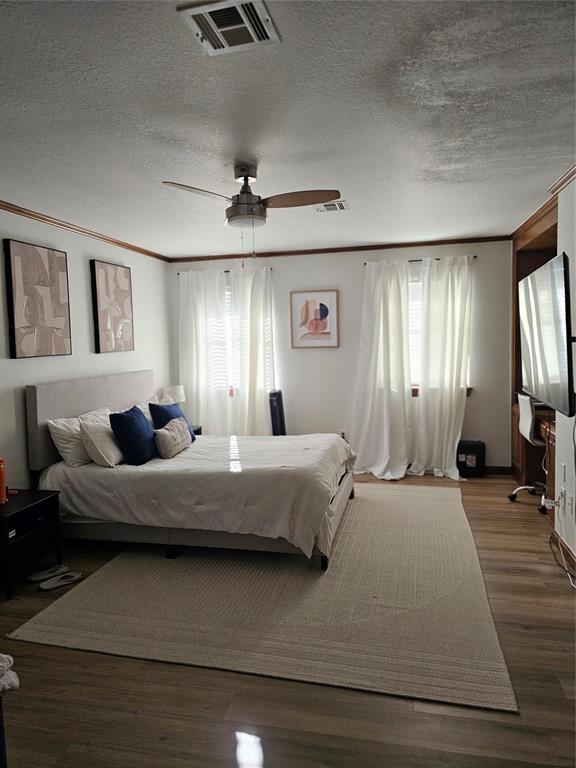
{"x": 277, "y": 413}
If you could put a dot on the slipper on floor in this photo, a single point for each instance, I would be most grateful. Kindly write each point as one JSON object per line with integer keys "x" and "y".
{"x": 49, "y": 573}
{"x": 64, "y": 580}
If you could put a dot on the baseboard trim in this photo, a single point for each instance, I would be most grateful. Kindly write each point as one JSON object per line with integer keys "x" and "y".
{"x": 568, "y": 554}
{"x": 498, "y": 470}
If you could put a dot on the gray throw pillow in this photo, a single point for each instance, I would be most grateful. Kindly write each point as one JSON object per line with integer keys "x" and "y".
{"x": 173, "y": 438}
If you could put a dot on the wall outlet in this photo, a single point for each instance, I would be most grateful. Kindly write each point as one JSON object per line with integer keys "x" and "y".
{"x": 343, "y": 434}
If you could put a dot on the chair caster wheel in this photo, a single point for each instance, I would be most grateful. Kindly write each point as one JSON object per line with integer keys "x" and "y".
{"x": 542, "y": 510}
{"x": 512, "y": 497}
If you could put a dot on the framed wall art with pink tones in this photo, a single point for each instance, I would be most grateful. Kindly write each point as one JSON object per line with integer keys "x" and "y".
{"x": 112, "y": 307}
{"x": 38, "y": 300}
{"x": 314, "y": 319}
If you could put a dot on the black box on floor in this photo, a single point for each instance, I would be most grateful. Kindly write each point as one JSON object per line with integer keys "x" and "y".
{"x": 471, "y": 458}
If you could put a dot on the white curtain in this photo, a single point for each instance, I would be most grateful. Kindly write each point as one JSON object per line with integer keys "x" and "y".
{"x": 225, "y": 347}
{"x": 381, "y": 429}
{"x": 415, "y": 332}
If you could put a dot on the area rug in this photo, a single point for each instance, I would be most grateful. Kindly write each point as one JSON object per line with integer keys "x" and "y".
{"x": 402, "y": 608}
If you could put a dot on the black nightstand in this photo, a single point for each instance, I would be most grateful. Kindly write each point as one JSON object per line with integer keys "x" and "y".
{"x": 29, "y": 530}
{"x": 196, "y": 429}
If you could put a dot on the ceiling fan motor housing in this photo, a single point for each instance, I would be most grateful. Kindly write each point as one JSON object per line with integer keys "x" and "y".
{"x": 246, "y": 210}
{"x": 243, "y": 171}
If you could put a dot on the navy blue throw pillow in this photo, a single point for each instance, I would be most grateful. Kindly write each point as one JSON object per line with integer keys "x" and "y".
{"x": 135, "y": 436}
{"x": 162, "y": 414}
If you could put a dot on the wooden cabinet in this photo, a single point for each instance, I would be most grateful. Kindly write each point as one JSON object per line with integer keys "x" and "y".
{"x": 546, "y": 430}
{"x": 516, "y": 446}
{"x": 29, "y": 530}
{"x": 534, "y": 243}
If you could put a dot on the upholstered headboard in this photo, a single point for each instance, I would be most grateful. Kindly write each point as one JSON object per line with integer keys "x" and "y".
{"x": 59, "y": 399}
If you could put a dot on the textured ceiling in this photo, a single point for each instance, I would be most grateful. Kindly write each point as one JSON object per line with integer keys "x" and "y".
{"x": 435, "y": 119}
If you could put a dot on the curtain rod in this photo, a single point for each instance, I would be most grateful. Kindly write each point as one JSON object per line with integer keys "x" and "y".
{"x": 413, "y": 261}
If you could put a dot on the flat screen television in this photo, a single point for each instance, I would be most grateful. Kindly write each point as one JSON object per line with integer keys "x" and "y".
{"x": 546, "y": 335}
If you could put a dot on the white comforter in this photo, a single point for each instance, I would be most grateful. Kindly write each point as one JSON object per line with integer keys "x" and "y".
{"x": 276, "y": 487}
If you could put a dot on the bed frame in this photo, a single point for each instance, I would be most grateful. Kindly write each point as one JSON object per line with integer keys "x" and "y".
{"x": 60, "y": 399}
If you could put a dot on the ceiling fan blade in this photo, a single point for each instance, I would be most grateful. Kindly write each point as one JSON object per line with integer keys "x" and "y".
{"x": 305, "y": 197}
{"x": 197, "y": 190}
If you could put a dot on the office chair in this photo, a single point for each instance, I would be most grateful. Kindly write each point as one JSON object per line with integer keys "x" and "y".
{"x": 526, "y": 426}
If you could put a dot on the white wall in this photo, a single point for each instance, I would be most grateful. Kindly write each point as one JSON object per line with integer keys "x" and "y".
{"x": 318, "y": 384}
{"x": 564, "y": 519}
{"x": 151, "y": 335}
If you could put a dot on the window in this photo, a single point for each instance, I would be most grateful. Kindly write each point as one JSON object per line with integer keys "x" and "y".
{"x": 415, "y": 327}
{"x": 231, "y": 329}
{"x": 232, "y": 347}
{"x": 226, "y": 348}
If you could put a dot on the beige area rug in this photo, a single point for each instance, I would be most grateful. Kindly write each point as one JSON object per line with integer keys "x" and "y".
{"x": 402, "y": 608}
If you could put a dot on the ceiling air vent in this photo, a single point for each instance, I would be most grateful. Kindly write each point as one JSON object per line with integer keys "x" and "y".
{"x": 224, "y": 27}
{"x": 335, "y": 206}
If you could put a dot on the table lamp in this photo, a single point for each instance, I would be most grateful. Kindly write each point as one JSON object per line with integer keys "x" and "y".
{"x": 174, "y": 391}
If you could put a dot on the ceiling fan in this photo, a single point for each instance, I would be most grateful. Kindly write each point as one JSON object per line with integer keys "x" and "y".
{"x": 250, "y": 210}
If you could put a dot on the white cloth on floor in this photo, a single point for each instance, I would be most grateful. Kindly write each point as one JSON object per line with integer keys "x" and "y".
{"x": 8, "y": 678}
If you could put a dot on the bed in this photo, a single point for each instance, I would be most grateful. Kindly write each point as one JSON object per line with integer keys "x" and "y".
{"x": 277, "y": 494}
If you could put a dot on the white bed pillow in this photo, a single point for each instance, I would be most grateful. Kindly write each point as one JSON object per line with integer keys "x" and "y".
{"x": 65, "y": 434}
{"x": 144, "y": 406}
{"x": 173, "y": 438}
{"x": 100, "y": 444}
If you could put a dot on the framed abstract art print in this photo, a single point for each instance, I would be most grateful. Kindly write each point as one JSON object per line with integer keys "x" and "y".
{"x": 314, "y": 319}
{"x": 112, "y": 307}
{"x": 38, "y": 300}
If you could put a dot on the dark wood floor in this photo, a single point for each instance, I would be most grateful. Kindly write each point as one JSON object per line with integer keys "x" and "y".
{"x": 85, "y": 710}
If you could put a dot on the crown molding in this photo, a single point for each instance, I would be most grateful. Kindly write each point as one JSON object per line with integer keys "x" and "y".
{"x": 54, "y": 222}
{"x": 545, "y": 216}
{"x": 341, "y": 249}
{"x": 542, "y": 219}
{"x": 563, "y": 181}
